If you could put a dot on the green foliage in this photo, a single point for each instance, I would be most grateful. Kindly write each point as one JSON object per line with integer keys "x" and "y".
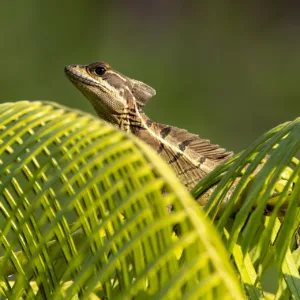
{"x": 255, "y": 240}
{"x": 83, "y": 215}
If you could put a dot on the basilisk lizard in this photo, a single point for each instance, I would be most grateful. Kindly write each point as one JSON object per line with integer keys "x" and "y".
{"x": 119, "y": 100}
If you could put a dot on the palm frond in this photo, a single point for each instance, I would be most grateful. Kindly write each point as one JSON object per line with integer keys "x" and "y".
{"x": 83, "y": 214}
{"x": 259, "y": 216}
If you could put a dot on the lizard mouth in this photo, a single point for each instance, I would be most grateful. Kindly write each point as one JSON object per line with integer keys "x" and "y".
{"x": 76, "y": 76}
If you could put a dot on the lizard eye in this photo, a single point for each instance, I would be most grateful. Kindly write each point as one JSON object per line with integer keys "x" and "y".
{"x": 100, "y": 71}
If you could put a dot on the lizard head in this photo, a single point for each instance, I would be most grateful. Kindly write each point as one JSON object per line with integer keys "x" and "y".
{"x": 111, "y": 93}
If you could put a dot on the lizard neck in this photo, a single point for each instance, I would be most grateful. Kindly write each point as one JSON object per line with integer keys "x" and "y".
{"x": 143, "y": 127}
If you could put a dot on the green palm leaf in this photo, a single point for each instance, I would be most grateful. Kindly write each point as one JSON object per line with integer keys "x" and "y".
{"x": 83, "y": 214}
{"x": 257, "y": 240}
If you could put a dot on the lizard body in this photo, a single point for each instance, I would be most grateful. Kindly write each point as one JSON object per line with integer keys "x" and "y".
{"x": 119, "y": 100}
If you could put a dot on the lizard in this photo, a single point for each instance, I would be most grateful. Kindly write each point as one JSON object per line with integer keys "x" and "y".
{"x": 119, "y": 100}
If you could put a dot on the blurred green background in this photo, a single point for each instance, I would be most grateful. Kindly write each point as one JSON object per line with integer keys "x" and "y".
{"x": 226, "y": 70}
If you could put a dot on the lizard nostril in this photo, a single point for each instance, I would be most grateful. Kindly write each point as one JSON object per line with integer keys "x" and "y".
{"x": 67, "y": 69}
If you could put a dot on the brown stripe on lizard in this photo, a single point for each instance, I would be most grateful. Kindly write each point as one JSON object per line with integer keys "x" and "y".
{"x": 119, "y": 100}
